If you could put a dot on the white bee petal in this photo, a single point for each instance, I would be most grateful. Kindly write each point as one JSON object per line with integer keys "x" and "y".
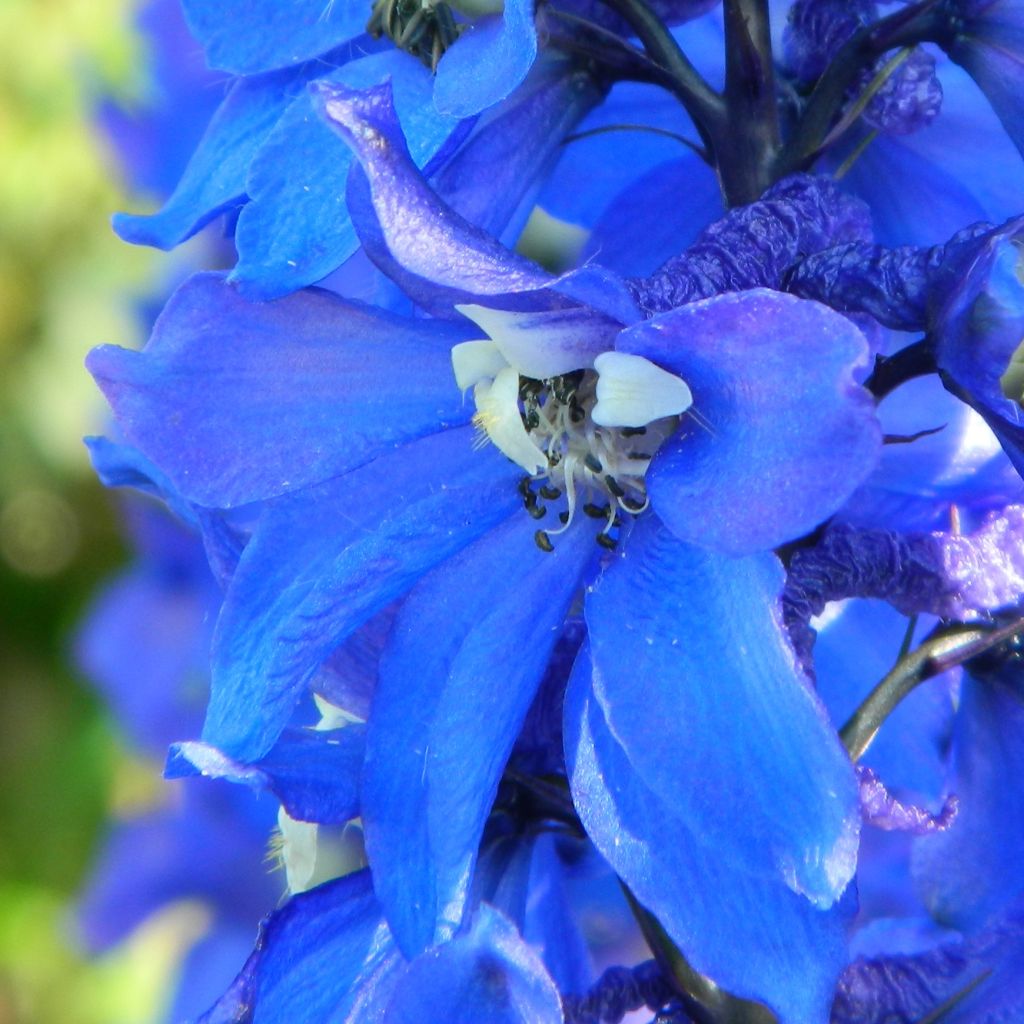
{"x": 632, "y": 391}
{"x": 474, "y": 361}
{"x": 497, "y": 412}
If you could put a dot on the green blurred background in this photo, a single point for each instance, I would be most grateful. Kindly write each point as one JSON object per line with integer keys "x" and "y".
{"x": 66, "y": 284}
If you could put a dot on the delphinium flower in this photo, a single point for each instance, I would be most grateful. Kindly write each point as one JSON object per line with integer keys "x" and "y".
{"x": 608, "y": 517}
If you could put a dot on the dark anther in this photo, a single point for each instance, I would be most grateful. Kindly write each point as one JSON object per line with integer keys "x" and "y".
{"x": 550, "y": 493}
{"x": 564, "y": 516}
{"x": 420, "y": 27}
{"x": 543, "y": 541}
{"x": 632, "y": 505}
{"x": 524, "y": 487}
{"x": 595, "y": 511}
{"x": 606, "y": 540}
{"x": 639, "y": 455}
{"x": 565, "y": 386}
{"x": 537, "y": 511}
{"x": 593, "y": 463}
{"x": 613, "y": 486}
{"x": 632, "y": 431}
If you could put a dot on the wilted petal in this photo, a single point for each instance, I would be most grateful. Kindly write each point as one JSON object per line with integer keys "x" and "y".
{"x": 426, "y": 237}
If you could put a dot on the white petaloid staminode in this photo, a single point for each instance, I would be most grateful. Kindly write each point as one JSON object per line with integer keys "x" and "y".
{"x": 632, "y": 391}
{"x": 555, "y": 399}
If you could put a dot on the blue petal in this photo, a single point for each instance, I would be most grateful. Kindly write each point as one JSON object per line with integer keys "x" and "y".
{"x": 595, "y": 168}
{"x": 324, "y": 560}
{"x": 852, "y": 653}
{"x": 240, "y": 401}
{"x": 296, "y": 230}
{"x": 121, "y": 465}
{"x": 325, "y": 955}
{"x": 704, "y": 865}
{"x": 314, "y": 774}
{"x": 922, "y": 188}
{"x": 488, "y": 974}
{"x": 207, "y": 969}
{"x": 697, "y": 679}
{"x": 776, "y": 414}
{"x": 656, "y": 217}
{"x": 425, "y": 236}
{"x": 467, "y": 652}
{"x": 968, "y": 872}
{"x": 493, "y": 179}
{"x": 490, "y": 58}
{"x": 990, "y": 45}
{"x": 214, "y": 179}
{"x": 248, "y": 36}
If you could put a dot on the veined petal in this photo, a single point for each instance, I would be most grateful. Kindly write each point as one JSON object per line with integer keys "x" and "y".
{"x": 239, "y": 401}
{"x": 548, "y": 343}
{"x": 695, "y": 674}
{"x": 315, "y": 774}
{"x": 324, "y": 560}
{"x": 632, "y": 391}
{"x": 490, "y": 58}
{"x": 424, "y": 235}
{"x": 249, "y": 36}
{"x": 751, "y": 934}
{"x": 776, "y": 414}
{"x": 466, "y": 655}
{"x": 497, "y": 413}
{"x": 488, "y": 974}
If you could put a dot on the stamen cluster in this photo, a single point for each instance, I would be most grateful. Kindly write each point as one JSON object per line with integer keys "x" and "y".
{"x": 597, "y": 468}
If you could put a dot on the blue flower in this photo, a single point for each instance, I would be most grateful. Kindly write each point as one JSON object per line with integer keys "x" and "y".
{"x": 348, "y": 423}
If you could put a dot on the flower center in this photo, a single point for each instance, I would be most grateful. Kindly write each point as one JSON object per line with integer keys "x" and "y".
{"x": 424, "y": 28}
{"x": 574, "y": 462}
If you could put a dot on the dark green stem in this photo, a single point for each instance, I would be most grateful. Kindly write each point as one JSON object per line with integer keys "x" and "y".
{"x": 704, "y": 1000}
{"x": 702, "y": 103}
{"x": 915, "y": 360}
{"x": 937, "y": 655}
{"x": 748, "y": 148}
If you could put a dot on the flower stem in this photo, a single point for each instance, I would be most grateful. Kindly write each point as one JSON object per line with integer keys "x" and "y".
{"x": 747, "y": 149}
{"x": 705, "y": 1002}
{"x": 702, "y": 103}
{"x": 936, "y": 655}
